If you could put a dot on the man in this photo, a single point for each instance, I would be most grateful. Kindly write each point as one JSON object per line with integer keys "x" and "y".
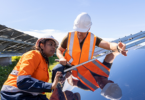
{"x": 79, "y": 46}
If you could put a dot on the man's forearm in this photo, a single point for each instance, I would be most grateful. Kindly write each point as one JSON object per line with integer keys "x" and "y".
{"x": 108, "y": 45}
{"x": 59, "y": 54}
{"x": 113, "y": 46}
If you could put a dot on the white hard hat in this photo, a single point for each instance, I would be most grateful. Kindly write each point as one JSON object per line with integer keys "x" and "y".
{"x": 112, "y": 91}
{"x": 46, "y": 37}
{"x": 82, "y": 23}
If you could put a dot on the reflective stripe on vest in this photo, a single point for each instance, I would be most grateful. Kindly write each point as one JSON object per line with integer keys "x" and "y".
{"x": 14, "y": 72}
{"x": 71, "y": 60}
{"x": 8, "y": 88}
{"x": 85, "y": 80}
{"x": 94, "y": 66}
{"x": 91, "y": 47}
{"x": 101, "y": 67}
{"x": 71, "y": 46}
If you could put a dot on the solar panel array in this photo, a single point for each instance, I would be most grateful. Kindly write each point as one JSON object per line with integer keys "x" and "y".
{"x": 14, "y": 42}
{"x": 135, "y": 41}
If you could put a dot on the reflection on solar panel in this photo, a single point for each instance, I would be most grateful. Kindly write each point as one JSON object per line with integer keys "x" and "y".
{"x": 13, "y": 42}
{"x": 128, "y": 72}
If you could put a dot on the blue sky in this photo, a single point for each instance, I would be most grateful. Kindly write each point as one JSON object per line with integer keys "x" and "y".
{"x": 111, "y": 18}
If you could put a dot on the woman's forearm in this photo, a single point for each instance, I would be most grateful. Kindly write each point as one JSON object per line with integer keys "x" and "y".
{"x": 33, "y": 85}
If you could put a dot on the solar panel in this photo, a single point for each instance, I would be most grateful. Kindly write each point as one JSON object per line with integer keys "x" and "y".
{"x": 128, "y": 72}
{"x": 130, "y": 41}
{"x": 14, "y": 42}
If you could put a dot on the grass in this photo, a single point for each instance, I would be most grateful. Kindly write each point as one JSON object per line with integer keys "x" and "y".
{"x": 6, "y": 70}
{"x": 15, "y": 58}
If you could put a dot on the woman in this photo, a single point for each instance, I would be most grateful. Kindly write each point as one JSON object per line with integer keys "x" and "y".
{"x": 28, "y": 80}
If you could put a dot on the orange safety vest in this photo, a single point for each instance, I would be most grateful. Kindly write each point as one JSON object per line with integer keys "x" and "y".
{"x": 75, "y": 56}
{"x": 31, "y": 64}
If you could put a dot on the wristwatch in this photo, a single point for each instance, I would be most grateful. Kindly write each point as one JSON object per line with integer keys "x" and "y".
{"x": 118, "y": 49}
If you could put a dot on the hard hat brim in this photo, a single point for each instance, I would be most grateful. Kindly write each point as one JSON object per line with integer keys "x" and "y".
{"x": 109, "y": 94}
{"x": 80, "y": 30}
{"x": 57, "y": 43}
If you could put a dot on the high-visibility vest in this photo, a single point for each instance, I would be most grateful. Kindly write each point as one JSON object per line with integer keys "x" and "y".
{"x": 84, "y": 73}
{"x": 75, "y": 56}
{"x": 31, "y": 64}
